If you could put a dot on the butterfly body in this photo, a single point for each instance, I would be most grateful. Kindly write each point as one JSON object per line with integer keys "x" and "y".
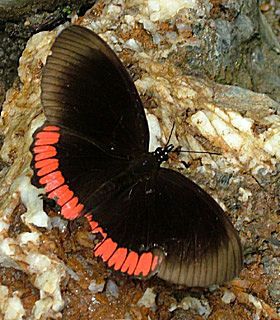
{"x": 92, "y": 157}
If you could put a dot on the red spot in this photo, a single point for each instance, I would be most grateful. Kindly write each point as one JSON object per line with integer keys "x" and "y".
{"x": 47, "y": 169}
{"x": 62, "y": 193}
{"x": 72, "y": 209}
{"x": 43, "y": 149}
{"x": 89, "y": 216}
{"x": 46, "y": 162}
{"x": 45, "y": 155}
{"x": 105, "y": 249}
{"x": 50, "y": 177}
{"x": 144, "y": 264}
{"x": 93, "y": 225}
{"x": 54, "y": 184}
{"x": 155, "y": 263}
{"x": 130, "y": 263}
{"x": 100, "y": 230}
{"x": 76, "y": 212}
{"x": 51, "y": 128}
{"x": 44, "y": 138}
{"x": 117, "y": 259}
{"x": 52, "y": 180}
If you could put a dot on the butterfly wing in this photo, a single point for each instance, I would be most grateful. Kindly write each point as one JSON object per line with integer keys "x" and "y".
{"x": 96, "y": 129}
{"x": 188, "y": 236}
{"x": 202, "y": 247}
{"x": 95, "y": 121}
{"x": 86, "y": 88}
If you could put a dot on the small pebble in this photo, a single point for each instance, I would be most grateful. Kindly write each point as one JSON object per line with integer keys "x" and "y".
{"x": 96, "y": 287}
{"x": 112, "y": 289}
{"x": 228, "y": 297}
{"x": 148, "y": 299}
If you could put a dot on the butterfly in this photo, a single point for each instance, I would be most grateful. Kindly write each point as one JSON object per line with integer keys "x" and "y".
{"x": 91, "y": 156}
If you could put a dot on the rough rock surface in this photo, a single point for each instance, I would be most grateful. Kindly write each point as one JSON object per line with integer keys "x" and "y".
{"x": 229, "y": 41}
{"x": 47, "y": 264}
{"x": 19, "y": 19}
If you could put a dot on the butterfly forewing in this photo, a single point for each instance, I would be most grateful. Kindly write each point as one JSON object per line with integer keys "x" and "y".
{"x": 92, "y": 157}
{"x": 86, "y": 88}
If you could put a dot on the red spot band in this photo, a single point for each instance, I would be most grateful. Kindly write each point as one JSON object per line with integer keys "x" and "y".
{"x": 144, "y": 264}
{"x": 47, "y": 138}
{"x": 41, "y": 149}
{"x": 106, "y": 249}
{"x": 51, "y": 128}
{"x": 46, "y": 162}
{"x": 62, "y": 194}
{"x": 72, "y": 209}
{"x": 47, "y": 169}
{"x": 130, "y": 263}
{"x": 155, "y": 263}
{"x": 52, "y": 178}
{"x": 45, "y": 155}
{"x": 118, "y": 258}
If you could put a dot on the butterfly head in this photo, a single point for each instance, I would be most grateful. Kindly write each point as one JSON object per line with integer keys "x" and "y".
{"x": 161, "y": 154}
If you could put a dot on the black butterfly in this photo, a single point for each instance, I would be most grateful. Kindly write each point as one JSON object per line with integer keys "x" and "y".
{"x": 91, "y": 156}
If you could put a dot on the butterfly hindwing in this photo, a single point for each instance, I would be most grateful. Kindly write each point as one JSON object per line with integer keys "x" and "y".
{"x": 174, "y": 219}
{"x": 202, "y": 245}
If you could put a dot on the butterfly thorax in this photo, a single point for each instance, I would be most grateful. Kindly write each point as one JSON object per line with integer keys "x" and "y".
{"x": 142, "y": 168}
{"x": 145, "y": 165}
{"x": 161, "y": 153}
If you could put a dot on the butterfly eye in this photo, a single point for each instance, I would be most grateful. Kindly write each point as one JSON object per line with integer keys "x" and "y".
{"x": 158, "y": 151}
{"x": 164, "y": 156}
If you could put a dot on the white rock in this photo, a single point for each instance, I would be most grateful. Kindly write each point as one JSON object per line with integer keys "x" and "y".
{"x": 155, "y": 131}
{"x": 14, "y": 309}
{"x": 148, "y": 299}
{"x": 228, "y": 297}
{"x": 112, "y": 289}
{"x": 96, "y": 287}
{"x": 30, "y": 198}
{"x": 201, "y": 306}
{"x": 26, "y": 237}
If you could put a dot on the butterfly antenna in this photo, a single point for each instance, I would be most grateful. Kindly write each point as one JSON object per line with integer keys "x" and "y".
{"x": 208, "y": 152}
{"x": 173, "y": 126}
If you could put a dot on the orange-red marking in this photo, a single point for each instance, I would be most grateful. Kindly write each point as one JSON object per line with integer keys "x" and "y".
{"x": 50, "y": 177}
{"x": 118, "y": 258}
{"x": 47, "y": 138}
{"x": 106, "y": 249}
{"x": 72, "y": 209}
{"x": 52, "y": 180}
{"x": 45, "y": 155}
{"x": 63, "y": 195}
{"x": 46, "y": 162}
{"x": 47, "y": 169}
{"x": 43, "y": 149}
{"x": 51, "y": 128}
{"x": 155, "y": 263}
{"x": 144, "y": 264}
{"x": 93, "y": 225}
{"x": 130, "y": 263}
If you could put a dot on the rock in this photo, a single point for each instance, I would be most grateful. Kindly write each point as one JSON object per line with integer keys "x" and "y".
{"x": 240, "y": 124}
